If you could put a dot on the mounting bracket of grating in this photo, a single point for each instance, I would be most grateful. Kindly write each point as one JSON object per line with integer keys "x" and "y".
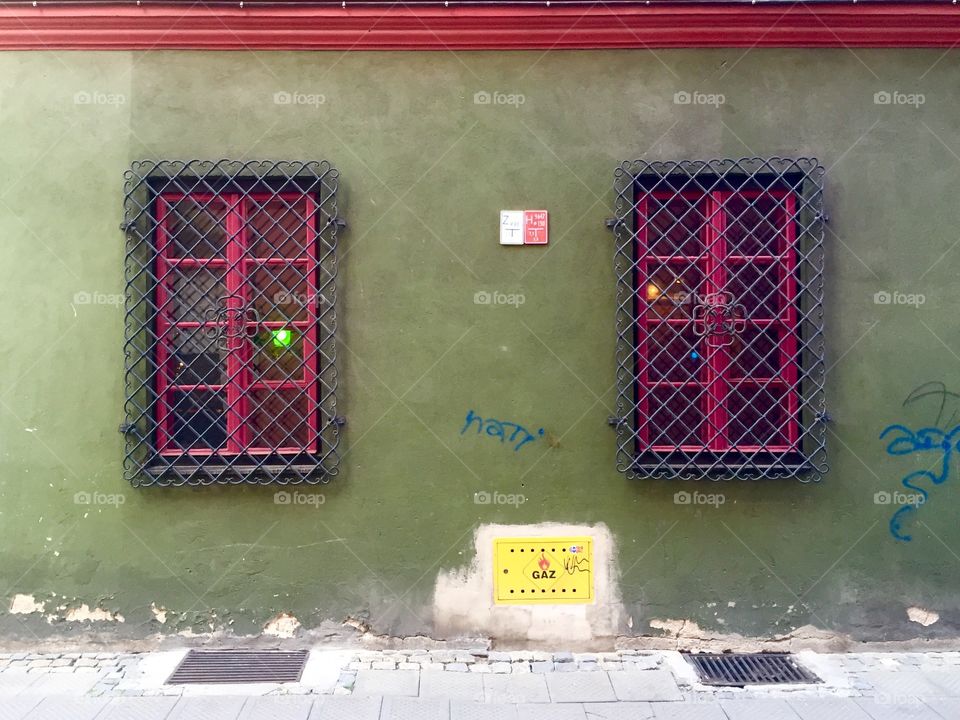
{"x": 610, "y": 223}
{"x": 614, "y": 421}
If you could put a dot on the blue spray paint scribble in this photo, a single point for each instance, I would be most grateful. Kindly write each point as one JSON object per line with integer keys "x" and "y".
{"x": 499, "y": 428}
{"x": 923, "y": 440}
{"x": 928, "y": 439}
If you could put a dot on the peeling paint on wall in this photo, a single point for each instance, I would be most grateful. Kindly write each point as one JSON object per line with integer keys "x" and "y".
{"x": 24, "y": 605}
{"x": 84, "y": 614}
{"x": 282, "y": 625}
{"x": 159, "y": 613}
{"x": 922, "y": 616}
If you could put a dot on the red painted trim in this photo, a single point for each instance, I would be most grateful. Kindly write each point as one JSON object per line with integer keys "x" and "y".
{"x": 293, "y": 27}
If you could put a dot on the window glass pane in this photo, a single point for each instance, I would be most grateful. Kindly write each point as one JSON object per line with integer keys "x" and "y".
{"x": 675, "y": 417}
{"x": 196, "y": 228}
{"x": 755, "y": 225}
{"x": 757, "y": 287}
{"x": 674, "y": 225}
{"x": 670, "y": 291}
{"x": 277, "y": 354}
{"x": 755, "y": 353}
{"x": 195, "y": 295}
{"x": 195, "y": 358}
{"x": 757, "y": 415}
{"x": 673, "y": 354}
{"x": 278, "y": 418}
{"x": 197, "y": 419}
{"x": 279, "y": 227}
{"x": 280, "y": 293}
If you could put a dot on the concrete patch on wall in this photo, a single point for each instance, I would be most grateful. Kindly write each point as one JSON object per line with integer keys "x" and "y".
{"x": 85, "y": 613}
{"x": 282, "y": 625}
{"x": 463, "y": 602}
{"x": 25, "y": 605}
{"x": 922, "y": 616}
{"x": 159, "y": 613}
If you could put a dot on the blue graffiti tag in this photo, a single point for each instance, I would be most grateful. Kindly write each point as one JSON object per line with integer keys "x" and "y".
{"x": 498, "y": 428}
{"x": 905, "y": 441}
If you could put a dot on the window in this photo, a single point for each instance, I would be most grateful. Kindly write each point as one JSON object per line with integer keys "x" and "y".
{"x": 720, "y": 353}
{"x": 230, "y": 322}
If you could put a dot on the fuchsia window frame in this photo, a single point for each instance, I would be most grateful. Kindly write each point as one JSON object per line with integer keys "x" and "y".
{"x": 238, "y": 265}
{"x": 714, "y": 261}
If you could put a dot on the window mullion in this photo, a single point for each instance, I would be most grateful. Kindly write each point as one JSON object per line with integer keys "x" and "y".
{"x": 788, "y": 346}
{"x": 236, "y": 320}
{"x": 641, "y": 327}
{"x": 311, "y": 340}
{"x": 715, "y": 282}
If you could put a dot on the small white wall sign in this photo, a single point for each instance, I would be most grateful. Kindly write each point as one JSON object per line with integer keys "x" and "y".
{"x": 511, "y": 227}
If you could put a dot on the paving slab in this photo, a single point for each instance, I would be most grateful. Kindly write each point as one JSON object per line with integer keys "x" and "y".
{"x": 14, "y": 683}
{"x": 62, "y": 708}
{"x": 220, "y": 707}
{"x": 14, "y": 708}
{"x": 406, "y": 708}
{"x": 542, "y": 711}
{"x": 949, "y": 708}
{"x": 650, "y": 685}
{"x": 893, "y": 686}
{"x": 346, "y": 707}
{"x": 58, "y": 684}
{"x": 460, "y": 710}
{"x": 762, "y": 709}
{"x": 387, "y": 682}
{"x": 828, "y": 709}
{"x": 580, "y": 687}
{"x": 618, "y": 711}
{"x": 138, "y": 708}
{"x": 915, "y": 710}
{"x": 290, "y": 707}
{"x": 451, "y": 686}
{"x": 515, "y": 689}
{"x": 688, "y": 711}
{"x": 946, "y": 680}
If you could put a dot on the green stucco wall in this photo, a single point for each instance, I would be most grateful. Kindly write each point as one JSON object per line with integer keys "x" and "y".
{"x": 424, "y": 172}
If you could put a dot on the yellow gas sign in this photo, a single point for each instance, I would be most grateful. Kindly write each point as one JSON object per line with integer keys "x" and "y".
{"x": 542, "y": 571}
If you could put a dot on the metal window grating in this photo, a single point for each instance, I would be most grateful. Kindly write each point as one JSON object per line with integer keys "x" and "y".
{"x": 720, "y": 357}
{"x": 739, "y": 669}
{"x": 230, "y": 321}
{"x": 210, "y": 667}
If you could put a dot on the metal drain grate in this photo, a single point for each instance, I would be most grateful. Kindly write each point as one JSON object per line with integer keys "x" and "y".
{"x": 739, "y": 669}
{"x": 207, "y": 667}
